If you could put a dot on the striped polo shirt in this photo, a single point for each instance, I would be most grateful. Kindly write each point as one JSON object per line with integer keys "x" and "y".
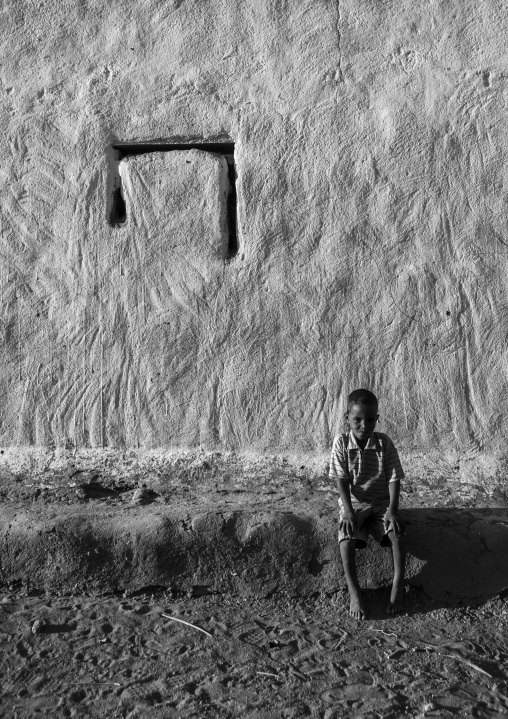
{"x": 368, "y": 470}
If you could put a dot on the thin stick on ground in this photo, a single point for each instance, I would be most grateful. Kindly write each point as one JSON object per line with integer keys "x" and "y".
{"x": 466, "y": 661}
{"x": 182, "y": 621}
{"x": 76, "y": 684}
{"x": 458, "y": 658}
{"x": 387, "y": 634}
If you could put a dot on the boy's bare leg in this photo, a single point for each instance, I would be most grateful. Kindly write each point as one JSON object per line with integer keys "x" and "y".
{"x": 348, "y": 555}
{"x": 396, "y": 601}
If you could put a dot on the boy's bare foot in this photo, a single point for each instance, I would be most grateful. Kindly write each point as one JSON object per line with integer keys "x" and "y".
{"x": 356, "y": 608}
{"x": 396, "y": 602}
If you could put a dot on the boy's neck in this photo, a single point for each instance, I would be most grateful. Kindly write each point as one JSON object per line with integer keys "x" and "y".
{"x": 362, "y": 443}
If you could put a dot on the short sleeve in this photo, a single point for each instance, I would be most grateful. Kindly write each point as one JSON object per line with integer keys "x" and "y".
{"x": 392, "y": 467}
{"x": 339, "y": 468}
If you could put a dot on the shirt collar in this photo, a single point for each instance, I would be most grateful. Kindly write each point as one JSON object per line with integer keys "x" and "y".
{"x": 371, "y": 444}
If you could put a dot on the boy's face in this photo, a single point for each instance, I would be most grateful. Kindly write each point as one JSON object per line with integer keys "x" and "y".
{"x": 362, "y": 419}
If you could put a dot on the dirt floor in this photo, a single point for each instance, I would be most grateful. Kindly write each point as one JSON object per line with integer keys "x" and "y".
{"x": 117, "y": 656}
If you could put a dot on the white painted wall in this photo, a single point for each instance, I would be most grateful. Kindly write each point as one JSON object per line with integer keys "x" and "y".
{"x": 371, "y": 150}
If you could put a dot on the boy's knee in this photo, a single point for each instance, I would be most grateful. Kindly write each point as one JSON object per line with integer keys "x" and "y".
{"x": 397, "y": 540}
{"x": 347, "y": 544}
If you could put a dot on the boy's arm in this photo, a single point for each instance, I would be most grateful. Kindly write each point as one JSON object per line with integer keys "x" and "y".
{"x": 339, "y": 471}
{"x": 393, "y": 473}
{"x": 348, "y": 520}
{"x": 392, "y": 513}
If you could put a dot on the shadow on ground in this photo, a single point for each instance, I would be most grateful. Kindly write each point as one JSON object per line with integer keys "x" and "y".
{"x": 463, "y": 552}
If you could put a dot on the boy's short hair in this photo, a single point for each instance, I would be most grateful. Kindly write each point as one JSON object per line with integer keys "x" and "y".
{"x": 361, "y": 396}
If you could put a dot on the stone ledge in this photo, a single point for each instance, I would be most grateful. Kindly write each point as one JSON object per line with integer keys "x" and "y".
{"x": 453, "y": 554}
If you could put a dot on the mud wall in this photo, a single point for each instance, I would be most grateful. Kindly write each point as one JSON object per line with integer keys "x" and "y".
{"x": 371, "y": 239}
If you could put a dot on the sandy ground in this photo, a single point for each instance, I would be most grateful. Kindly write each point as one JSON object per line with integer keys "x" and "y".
{"x": 117, "y": 656}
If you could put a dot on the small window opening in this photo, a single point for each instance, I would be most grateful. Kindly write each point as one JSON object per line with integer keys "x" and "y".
{"x": 118, "y": 213}
{"x": 226, "y": 148}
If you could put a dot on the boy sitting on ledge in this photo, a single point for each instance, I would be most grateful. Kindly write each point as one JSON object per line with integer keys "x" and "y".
{"x": 367, "y": 469}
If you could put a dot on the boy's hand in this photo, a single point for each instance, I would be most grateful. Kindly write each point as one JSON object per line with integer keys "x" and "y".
{"x": 347, "y": 524}
{"x": 398, "y": 525}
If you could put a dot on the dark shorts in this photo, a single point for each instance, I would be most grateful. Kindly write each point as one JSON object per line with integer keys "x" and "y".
{"x": 369, "y": 520}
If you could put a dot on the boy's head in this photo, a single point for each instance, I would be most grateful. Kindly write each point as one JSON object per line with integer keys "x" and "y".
{"x": 362, "y": 413}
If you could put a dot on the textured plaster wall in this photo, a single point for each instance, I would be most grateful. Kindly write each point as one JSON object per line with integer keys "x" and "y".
{"x": 371, "y": 155}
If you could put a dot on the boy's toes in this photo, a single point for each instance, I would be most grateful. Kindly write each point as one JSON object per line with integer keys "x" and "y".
{"x": 396, "y": 602}
{"x": 394, "y": 607}
{"x": 357, "y": 610}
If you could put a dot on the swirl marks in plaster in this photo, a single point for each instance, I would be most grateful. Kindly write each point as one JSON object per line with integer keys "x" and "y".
{"x": 110, "y": 343}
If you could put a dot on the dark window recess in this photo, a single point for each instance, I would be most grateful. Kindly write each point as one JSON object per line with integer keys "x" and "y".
{"x": 118, "y": 213}
{"x": 225, "y": 148}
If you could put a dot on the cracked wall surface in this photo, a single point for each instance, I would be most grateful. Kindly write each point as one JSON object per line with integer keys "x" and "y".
{"x": 371, "y": 159}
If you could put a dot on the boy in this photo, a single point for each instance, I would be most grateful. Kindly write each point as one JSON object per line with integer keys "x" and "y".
{"x": 367, "y": 469}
